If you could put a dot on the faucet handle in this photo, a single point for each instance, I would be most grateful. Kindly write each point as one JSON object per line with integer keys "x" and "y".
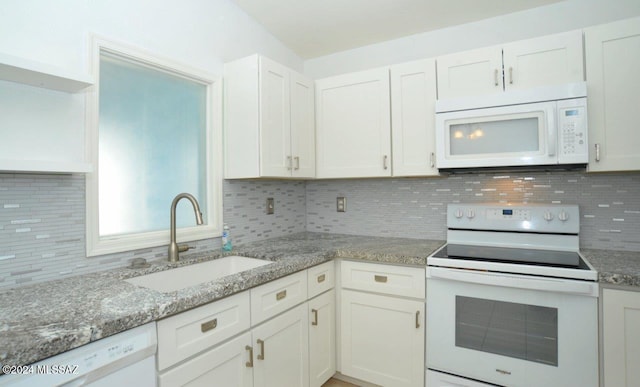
{"x": 183, "y": 248}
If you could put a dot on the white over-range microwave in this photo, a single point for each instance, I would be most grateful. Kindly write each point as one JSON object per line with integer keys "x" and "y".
{"x": 542, "y": 126}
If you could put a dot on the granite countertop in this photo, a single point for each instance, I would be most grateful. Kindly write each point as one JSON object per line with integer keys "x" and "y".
{"x": 45, "y": 319}
{"x": 615, "y": 267}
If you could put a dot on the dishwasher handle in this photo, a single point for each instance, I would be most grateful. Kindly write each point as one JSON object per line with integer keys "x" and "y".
{"x": 584, "y": 288}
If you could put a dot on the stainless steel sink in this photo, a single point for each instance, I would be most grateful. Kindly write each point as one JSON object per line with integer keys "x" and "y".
{"x": 192, "y": 275}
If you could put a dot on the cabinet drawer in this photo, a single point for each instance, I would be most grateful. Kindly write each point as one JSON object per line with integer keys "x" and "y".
{"x": 224, "y": 365}
{"x": 193, "y": 331}
{"x": 386, "y": 279}
{"x": 321, "y": 278}
{"x": 277, "y": 296}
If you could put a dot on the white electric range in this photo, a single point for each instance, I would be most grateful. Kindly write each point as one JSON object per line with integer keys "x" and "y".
{"x": 510, "y": 299}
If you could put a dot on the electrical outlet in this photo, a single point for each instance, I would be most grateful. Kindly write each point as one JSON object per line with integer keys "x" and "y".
{"x": 341, "y": 204}
{"x": 270, "y": 206}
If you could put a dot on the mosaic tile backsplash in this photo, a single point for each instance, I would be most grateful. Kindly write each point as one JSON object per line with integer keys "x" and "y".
{"x": 42, "y": 216}
{"x": 42, "y": 225}
{"x": 415, "y": 207}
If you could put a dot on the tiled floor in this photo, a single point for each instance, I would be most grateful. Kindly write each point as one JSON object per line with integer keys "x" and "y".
{"x": 337, "y": 383}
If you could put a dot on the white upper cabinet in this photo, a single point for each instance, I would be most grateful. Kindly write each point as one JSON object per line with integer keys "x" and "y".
{"x": 470, "y": 73}
{"x": 612, "y": 54}
{"x": 42, "y": 108}
{"x": 548, "y": 60}
{"x": 269, "y": 121}
{"x": 413, "y": 96}
{"x": 303, "y": 128}
{"x": 353, "y": 128}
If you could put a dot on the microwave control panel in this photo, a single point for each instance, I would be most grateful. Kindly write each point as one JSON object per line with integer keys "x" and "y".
{"x": 572, "y": 131}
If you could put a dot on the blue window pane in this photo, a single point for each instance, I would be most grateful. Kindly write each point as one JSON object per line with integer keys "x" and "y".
{"x": 152, "y": 139}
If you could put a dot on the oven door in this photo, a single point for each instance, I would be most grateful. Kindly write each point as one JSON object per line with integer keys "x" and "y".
{"x": 512, "y": 330}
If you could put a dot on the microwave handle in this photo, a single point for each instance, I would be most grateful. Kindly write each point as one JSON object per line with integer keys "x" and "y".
{"x": 552, "y": 132}
{"x": 492, "y": 279}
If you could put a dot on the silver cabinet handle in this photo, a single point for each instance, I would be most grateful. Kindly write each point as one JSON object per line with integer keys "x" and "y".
{"x": 380, "y": 278}
{"x": 384, "y": 162}
{"x": 315, "y": 317}
{"x": 249, "y": 364}
{"x": 511, "y": 75}
{"x": 297, "y": 159}
{"x": 433, "y": 160}
{"x": 261, "y": 344}
{"x": 597, "y": 152}
{"x": 209, "y": 325}
{"x": 495, "y": 77}
{"x": 289, "y": 163}
{"x": 417, "y": 319}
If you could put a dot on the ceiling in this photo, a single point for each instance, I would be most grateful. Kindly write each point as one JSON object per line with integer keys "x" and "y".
{"x": 313, "y": 28}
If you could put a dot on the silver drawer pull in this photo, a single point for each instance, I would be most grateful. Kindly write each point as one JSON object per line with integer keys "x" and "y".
{"x": 381, "y": 278}
{"x": 321, "y": 278}
{"x": 261, "y": 344}
{"x": 249, "y": 348}
{"x": 281, "y": 295}
{"x": 209, "y": 325}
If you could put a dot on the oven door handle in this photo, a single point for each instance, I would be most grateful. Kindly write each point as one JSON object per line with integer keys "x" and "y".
{"x": 512, "y": 281}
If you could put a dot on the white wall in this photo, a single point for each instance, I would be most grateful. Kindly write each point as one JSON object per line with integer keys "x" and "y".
{"x": 201, "y": 33}
{"x": 564, "y": 16}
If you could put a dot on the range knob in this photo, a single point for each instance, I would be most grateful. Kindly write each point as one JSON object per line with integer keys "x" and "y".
{"x": 563, "y": 216}
{"x": 548, "y": 216}
{"x": 471, "y": 214}
{"x": 458, "y": 213}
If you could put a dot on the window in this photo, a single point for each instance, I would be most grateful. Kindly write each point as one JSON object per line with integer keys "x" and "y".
{"x": 154, "y": 132}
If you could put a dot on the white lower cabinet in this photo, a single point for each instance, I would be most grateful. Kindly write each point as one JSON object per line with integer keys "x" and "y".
{"x": 280, "y": 350}
{"x": 382, "y": 335}
{"x": 263, "y": 337}
{"x": 621, "y": 337}
{"x": 322, "y": 338}
{"x": 223, "y": 366}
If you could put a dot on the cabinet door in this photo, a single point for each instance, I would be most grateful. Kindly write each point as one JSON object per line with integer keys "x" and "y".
{"x": 322, "y": 338}
{"x": 225, "y": 365}
{"x": 303, "y": 133}
{"x": 549, "y": 60}
{"x": 281, "y": 350}
{"x": 275, "y": 139}
{"x": 413, "y": 96}
{"x": 613, "y": 59}
{"x": 353, "y": 125}
{"x": 382, "y": 339}
{"x": 621, "y": 338}
{"x": 474, "y": 72}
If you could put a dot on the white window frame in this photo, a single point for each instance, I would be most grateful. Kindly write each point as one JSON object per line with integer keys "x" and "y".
{"x": 97, "y": 245}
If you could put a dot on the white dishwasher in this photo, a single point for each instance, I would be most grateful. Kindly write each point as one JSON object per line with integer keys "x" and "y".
{"x": 127, "y": 358}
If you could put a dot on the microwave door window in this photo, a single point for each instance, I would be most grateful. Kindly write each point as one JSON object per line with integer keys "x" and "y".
{"x": 512, "y": 135}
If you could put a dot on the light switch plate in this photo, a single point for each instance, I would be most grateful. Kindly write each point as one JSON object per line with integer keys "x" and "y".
{"x": 270, "y": 206}
{"x": 341, "y": 204}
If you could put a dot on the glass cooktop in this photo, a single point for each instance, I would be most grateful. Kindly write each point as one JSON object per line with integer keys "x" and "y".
{"x": 566, "y": 259}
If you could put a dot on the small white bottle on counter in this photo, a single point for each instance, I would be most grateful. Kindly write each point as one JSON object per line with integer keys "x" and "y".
{"x": 226, "y": 239}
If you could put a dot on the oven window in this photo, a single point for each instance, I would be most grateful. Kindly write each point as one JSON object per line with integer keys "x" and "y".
{"x": 519, "y": 331}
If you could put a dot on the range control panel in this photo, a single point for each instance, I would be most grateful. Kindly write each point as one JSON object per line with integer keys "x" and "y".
{"x": 547, "y": 218}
